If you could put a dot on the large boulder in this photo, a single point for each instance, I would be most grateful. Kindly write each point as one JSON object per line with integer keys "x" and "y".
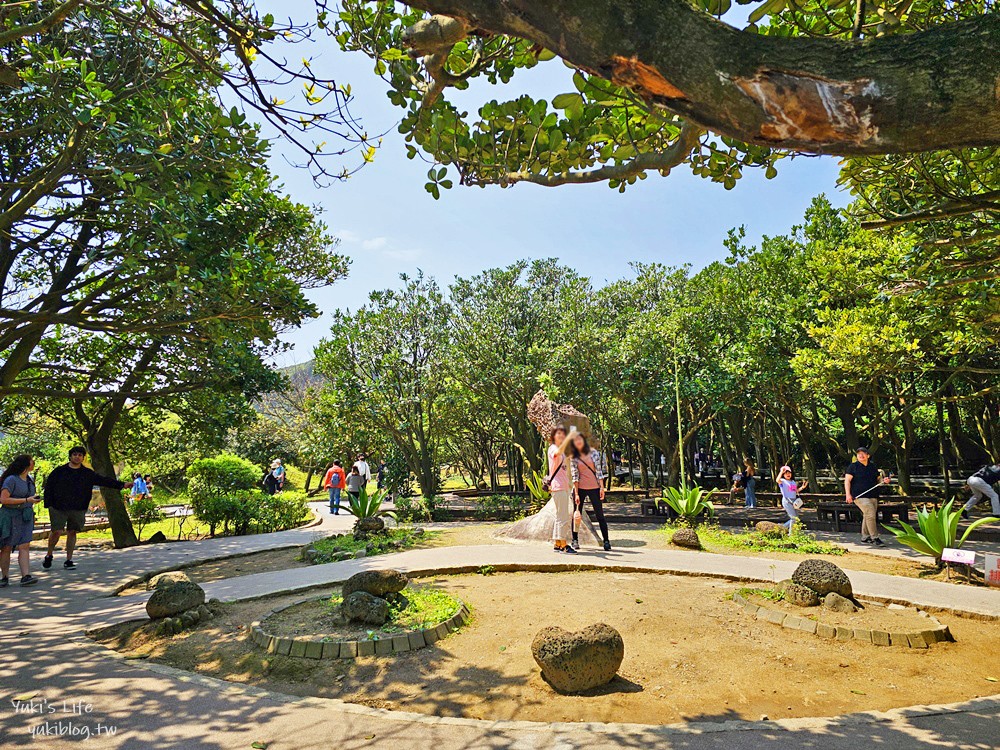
{"x": 823, "y": 577}
{"x": 837, "y": 603}
{"x": 173, "y": 598}
{"x": 546, "y": 415}
{"x": 769, "y": 528}
{"x": 686, "y": 538}
{"x": 363, "y": 607}
{"x": 365, "y": 527}
{"x": 800, "y": 595}
{"x": 166, "y": 579}
{"x": 575, "y": 662}
{"x": 375, "y": 582}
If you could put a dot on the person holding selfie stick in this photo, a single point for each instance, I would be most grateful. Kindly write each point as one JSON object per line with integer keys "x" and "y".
{"x": 861, "y": 486}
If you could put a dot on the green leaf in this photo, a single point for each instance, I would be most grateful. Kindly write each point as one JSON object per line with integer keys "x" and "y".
{"x": 565, "y": 101}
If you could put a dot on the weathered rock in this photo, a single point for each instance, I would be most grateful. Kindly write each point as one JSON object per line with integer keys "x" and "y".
{"x": 361, "y": 606}
{"x": 769, "y": 528}
{"x": 189, "y": 618}
{"x": 575, "y": 662}
{"x": 172, "y": 599}
{"x": 399, "y": 601}
{"x": 204, "y": 613}
{"x": 418, "y": 532}
{"x": 375, "y": 582}
{"x": 800, "y": 595}
{"x": 837, "y": 603}
{"x": 166, "y": 579}
{"x": 158, "y": 538}
{"x": 546, "y": 414}
{"x": 686, "y": 538}
{"x": 176, "y": 625}
{"x": 365, "y": 527}
{"x": 165, "y": 628}
{"x": 823, "y": 577}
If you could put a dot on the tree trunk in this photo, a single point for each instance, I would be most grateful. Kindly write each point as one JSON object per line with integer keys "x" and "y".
{"x": 100, "y": 458}
{"x": 901, "y": 93}
{"x": 845, "y": 413}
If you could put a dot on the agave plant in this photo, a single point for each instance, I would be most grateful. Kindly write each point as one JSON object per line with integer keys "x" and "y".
{"x": 367, "y": 508}
{"x": 688, "y": 502}
{"x": 539, "y": 494}
{"x": 938, "y": 530}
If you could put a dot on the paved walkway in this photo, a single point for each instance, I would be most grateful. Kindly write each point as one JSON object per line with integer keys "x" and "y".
{"x": 152, "y": 706}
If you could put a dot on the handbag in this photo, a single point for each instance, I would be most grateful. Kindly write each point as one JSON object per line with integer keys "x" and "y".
{"x": 547, "y": 482}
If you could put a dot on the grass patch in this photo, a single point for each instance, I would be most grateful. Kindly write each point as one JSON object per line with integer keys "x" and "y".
{"x": 774, "y": 595}
{"x": 427, "y": 608}
{"x": 393, "y": 540}
{"x": 799, "y": 542}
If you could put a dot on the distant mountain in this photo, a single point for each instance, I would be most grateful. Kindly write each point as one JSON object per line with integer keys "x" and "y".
{"x": 303, "y": 374}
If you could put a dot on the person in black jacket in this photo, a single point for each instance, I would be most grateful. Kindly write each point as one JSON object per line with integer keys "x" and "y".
{"x": 68, "y": 490}
{"x": 981, "y": 485}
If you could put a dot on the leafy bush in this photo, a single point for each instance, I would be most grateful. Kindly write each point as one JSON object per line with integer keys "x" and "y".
{"x": 368, "y": 505}
{"x": 427, "y": 607}
{"x": 938, "y": 530}
{"x": 414, "y": 509}
{"x": 500, "y": 506}
{"x": 225, "y": 491}
{"x": 688, "y": 502}
{"x": 143, "y": 512}
{"x": 799, "y": 541}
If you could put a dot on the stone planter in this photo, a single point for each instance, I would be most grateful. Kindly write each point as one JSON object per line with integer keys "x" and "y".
{"x": 316, "y": 648}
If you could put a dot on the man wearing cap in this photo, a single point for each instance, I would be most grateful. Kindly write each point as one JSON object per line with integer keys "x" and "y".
{"x": 860, "y": 486}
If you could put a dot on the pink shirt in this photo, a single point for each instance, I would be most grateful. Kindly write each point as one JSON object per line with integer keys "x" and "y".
{"x": 560, "y": 480}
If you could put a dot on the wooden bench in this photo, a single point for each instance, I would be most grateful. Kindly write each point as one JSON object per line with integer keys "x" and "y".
{"x": 849, "y": 512}
{"x": 652, "y": 508}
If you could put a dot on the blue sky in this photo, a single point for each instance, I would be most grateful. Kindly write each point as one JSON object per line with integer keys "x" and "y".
{"x": 389, "y": 225}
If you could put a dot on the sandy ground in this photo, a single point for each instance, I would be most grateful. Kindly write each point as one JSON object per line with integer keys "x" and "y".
{"x": 872, "y": 616}
{"x": 690, "y": 653}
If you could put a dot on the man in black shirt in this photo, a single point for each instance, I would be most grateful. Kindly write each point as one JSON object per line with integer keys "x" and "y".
{"x": 860, "y": 483}
{"x": 981, "y": 484}
{"x": 67, "y": 495}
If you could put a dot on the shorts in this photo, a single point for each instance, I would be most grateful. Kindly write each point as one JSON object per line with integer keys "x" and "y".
{"x": 73, "y": 520}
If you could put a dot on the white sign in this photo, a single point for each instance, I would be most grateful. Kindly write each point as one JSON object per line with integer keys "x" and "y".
{"x": 992, "y": 570}
{"x": 961, "y": 556}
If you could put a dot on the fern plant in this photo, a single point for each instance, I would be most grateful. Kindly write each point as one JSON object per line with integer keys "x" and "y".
{"x": 688, "y": 502}
{"x": 938, "y": 530}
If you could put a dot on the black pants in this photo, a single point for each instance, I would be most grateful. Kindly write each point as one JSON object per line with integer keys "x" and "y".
{"x": 595, "y": 499}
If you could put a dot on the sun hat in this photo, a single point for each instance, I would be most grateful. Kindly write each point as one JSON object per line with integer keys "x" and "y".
{"x": 783, "y": 469}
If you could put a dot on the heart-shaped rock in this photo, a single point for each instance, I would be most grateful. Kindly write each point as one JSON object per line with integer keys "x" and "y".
{"x": 575, "y": 662}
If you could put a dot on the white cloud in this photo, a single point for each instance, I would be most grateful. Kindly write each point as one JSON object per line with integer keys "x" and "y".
{"x": 409, "y": 254}
{"x": 375, "y": 243}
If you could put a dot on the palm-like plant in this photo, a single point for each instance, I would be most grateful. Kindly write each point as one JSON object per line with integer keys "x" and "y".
{"x": 688, "y": 502}
{"x": 539, "y": 494}
{"x": 938, "y": 530}
{"x": 367, "y": 508}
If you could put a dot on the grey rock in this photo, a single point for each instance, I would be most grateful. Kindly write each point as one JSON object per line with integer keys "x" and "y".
{"x": 800, "y": 595}
{"x": 172, "y": 599}
{"x": 190, "y": 618}
{"x": 375, "y": 582}
{"x": 576, "y": 662}
{"x": 166, "y": 579}
{"x": 823, "y": 577}
{"x": 158, "y": 538}
{"x": 837, "y": 603}
{"x": 204, "y": 613}
{"x": 686, "y": 538}
{"x": 361, "y": 606}
{"x": 769, "y": 528}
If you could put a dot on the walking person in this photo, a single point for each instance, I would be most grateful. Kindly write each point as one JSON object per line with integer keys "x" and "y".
{"x": 334, "y": 483}
{"x": 148, "y": 479}
{"x": 790, "y": 490}
{"x": 380, "y": 475}
{"x": 981, "y": 484}
{"x": 748, "y": 481}
{"x": 588, "y": 484}
{"x": 363, "y": 468}
{"x": 68, "y": 491}
{"x": 559, "y": 486}
{"x": 17, "y": 518}
{"x": 278, "y": 472}
{"x": 861, "y": 481}
{"x": 355, "y": 481}
{"x": 139, "y": 489}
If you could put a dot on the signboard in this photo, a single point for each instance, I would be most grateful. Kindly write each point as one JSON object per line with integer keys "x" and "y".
{"x": 960, "y": 556}
{"x": 992, "y": 570}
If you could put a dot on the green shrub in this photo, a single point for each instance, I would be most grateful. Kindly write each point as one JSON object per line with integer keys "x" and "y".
{"x": 688, "y": 502}
{"x": 286, "y": 510}
{"x": 392, "y": 540}
{"x": 143, "y": 512}
{"x": 413, "y": 510}
{"x": 501, "y": 506}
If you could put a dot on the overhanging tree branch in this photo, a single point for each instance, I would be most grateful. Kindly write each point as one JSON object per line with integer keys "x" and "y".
{"x": 928, "y": 90}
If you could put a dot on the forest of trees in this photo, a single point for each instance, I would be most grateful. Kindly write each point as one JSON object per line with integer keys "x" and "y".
{"x": 797, "y": 350}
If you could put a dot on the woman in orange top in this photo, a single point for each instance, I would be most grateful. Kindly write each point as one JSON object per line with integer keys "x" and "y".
{"x": 334, "y": 482}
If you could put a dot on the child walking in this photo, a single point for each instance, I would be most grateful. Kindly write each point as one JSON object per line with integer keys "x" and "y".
{"x": 790, "y": 490}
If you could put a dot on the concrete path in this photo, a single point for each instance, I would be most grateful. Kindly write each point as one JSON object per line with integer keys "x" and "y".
{"x": 80, "y": 689}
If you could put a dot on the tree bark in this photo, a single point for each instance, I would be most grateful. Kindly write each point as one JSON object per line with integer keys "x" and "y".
{"x": 927, "y": 90}
{"x": 99, "y": 449}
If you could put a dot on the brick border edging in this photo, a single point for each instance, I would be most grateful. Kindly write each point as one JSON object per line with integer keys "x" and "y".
{"x": 314, "y": 648}
{"x": 920, "y": 639}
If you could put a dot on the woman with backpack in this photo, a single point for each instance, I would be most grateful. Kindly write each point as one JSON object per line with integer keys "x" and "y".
{"x": 588, "y": 484}
{"x": 17, "y": 517}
